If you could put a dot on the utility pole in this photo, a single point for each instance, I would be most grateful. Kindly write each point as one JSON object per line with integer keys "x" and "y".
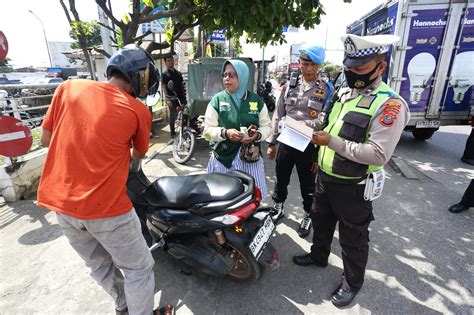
{"x": 45, "y": 39}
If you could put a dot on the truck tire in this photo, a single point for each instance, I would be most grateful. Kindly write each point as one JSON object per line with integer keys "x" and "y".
{"x": 423, "y": 133}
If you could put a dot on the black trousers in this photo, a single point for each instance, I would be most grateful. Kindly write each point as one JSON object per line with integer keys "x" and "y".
{"x": 343, "y": 203}
{"x": 173, "y": 114}
{"x": 286, "y": 158}
{"x": 469, "y": 150}
{"x": 468, "y": 197}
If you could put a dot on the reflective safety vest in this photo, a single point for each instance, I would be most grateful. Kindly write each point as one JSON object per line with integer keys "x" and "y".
{"x": 351, "y": 122}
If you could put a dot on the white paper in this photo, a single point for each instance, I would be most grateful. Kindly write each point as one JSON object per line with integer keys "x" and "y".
{"x": 294, "y": 139}
{"x": 299, "y": 126}
{"x": 296, "y": 134}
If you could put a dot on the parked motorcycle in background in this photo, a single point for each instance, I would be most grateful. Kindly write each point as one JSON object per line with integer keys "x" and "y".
{"x": 209, "y": 222}
{"x": 266, "y": 93}
{"x": 189, "y": 129}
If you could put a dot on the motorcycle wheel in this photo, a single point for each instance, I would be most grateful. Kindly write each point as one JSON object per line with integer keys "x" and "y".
{"x": 246, "y": 268}
{"x": 184, "y": 146}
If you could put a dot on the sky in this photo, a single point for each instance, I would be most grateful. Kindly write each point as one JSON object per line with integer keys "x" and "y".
{"x": 27, "y": 44}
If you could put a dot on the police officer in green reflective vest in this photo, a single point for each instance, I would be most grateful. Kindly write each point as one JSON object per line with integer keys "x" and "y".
{"x": 363, "y": 129}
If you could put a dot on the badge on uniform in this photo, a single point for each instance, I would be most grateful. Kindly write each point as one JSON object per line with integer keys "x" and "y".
{"x": 253, "y": 106}
{"x": 224, "y": 107}
{"x": 366, "y": 101}
{"x": 391, "y": 109}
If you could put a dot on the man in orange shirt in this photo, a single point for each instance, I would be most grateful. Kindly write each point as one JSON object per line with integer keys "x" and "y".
{"x": 89, "y": 129}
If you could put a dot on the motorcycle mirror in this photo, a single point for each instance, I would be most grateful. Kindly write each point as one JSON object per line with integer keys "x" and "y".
{"x": 170, "y": 85}
{"x": 152, "y": 100}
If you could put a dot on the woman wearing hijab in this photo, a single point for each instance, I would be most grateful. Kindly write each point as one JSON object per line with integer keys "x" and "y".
{"x": 228, "y": 114}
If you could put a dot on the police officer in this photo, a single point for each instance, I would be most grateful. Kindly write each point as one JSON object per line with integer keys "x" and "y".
{"x": 363, "y": 129}
{"x": 301, "y": 101}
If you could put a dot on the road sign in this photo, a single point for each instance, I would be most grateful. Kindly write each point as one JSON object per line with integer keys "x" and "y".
{"x": 156, "y": 26}
{"x": 218, "y": 36}
{"x": 3, "y": 46}
{"x": 15, "y": 138}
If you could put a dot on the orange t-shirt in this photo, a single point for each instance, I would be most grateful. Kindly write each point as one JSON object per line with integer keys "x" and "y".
{"x": 93, "y": 125}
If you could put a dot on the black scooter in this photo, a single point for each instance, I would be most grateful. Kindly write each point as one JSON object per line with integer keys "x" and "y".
{"x": 208, "y": 222}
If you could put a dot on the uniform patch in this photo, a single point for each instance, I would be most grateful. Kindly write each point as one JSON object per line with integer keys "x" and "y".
{"x": 391, "y": 109}
{"x": 253, "y": 106}
{"x": 366, "y": 101}
{"x": 224, "y": 107}
{"x": 387, "y": 119}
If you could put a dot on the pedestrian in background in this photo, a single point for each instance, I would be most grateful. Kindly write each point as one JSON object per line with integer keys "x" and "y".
{"x": 228, "y": 113}
{"x": 89, "y": 129}
{"x": 363, "y": 129}
{"x": 171, "y": 74}
{"x": 302, "y": 101}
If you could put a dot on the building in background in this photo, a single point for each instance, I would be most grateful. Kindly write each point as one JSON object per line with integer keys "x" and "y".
{"x": 58, "y": 59}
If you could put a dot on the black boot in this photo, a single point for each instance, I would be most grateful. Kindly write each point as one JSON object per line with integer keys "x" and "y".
{"x": 343, "y": 295}
{"x": 459, "y": 207}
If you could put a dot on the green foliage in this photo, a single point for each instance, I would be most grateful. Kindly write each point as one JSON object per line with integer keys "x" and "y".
{"x": 5, "y": 66}
{"x": 261, "y": 20}
{"x": 331, "y": 69}
{"x": 91, "y": 30}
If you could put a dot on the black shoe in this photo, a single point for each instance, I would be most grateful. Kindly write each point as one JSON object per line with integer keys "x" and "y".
{"x": 343, "y": 296}
{"x": 305, "y": 226}
{"x": 307, "y": 260}
{"x": 467, "y": 161}
{"x": 459, "y": 207}
{"x": 122, "y": 312}
{"x": 277, "y": 211}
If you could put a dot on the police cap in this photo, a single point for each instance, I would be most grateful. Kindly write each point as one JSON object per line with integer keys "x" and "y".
{"x": 359, "y": 50}
{"x": 312, "y": 52}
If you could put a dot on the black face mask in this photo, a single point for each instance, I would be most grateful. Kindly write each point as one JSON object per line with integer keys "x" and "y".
{"x": 360, "y": 81}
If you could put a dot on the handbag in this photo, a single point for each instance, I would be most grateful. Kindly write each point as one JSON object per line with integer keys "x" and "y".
{"x": 249, "y": 153}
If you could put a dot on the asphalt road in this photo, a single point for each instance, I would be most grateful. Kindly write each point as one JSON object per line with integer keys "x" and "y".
{"x": 421, "y": 256}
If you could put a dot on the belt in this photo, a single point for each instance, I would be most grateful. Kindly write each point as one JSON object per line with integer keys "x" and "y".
{"x": 337, "y": 180}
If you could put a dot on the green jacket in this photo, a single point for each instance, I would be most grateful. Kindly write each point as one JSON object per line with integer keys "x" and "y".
{"x": 232, "y": 116}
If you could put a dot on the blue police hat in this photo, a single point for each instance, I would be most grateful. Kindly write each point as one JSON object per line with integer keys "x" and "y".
{"x": 312, "y": 52}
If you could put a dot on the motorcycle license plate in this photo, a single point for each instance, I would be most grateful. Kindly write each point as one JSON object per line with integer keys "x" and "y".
{"x": 262, "y": 237}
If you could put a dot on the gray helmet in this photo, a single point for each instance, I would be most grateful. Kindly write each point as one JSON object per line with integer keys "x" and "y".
{"x": 137, "y": 67}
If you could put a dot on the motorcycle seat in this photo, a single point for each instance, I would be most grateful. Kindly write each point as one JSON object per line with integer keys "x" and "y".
{"x": 184, "y": 192}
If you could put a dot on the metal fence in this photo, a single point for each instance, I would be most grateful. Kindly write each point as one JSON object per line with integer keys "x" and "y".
{"x": 29, "y": 104}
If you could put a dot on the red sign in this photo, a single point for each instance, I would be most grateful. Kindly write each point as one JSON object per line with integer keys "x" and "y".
{"x": 3, "y": 46}
{"x": 15, "y": 139}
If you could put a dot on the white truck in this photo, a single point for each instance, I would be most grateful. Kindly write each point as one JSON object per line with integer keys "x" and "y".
{"x": 432, "y": 67}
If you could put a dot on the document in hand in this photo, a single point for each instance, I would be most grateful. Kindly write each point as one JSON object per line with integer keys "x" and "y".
{"x": 296, "y": 134}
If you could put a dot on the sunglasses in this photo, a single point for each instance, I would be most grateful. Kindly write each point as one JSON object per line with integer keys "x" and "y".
{"x": 229, "y": 74}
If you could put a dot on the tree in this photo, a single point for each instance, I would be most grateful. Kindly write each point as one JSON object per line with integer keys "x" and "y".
{"x": 331, "y": 69}
{"x": 91, "y": 31}
{"x": 80, "y": 29}
{"x": 5, "y": 66}
{"x": 261, "y": 20}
